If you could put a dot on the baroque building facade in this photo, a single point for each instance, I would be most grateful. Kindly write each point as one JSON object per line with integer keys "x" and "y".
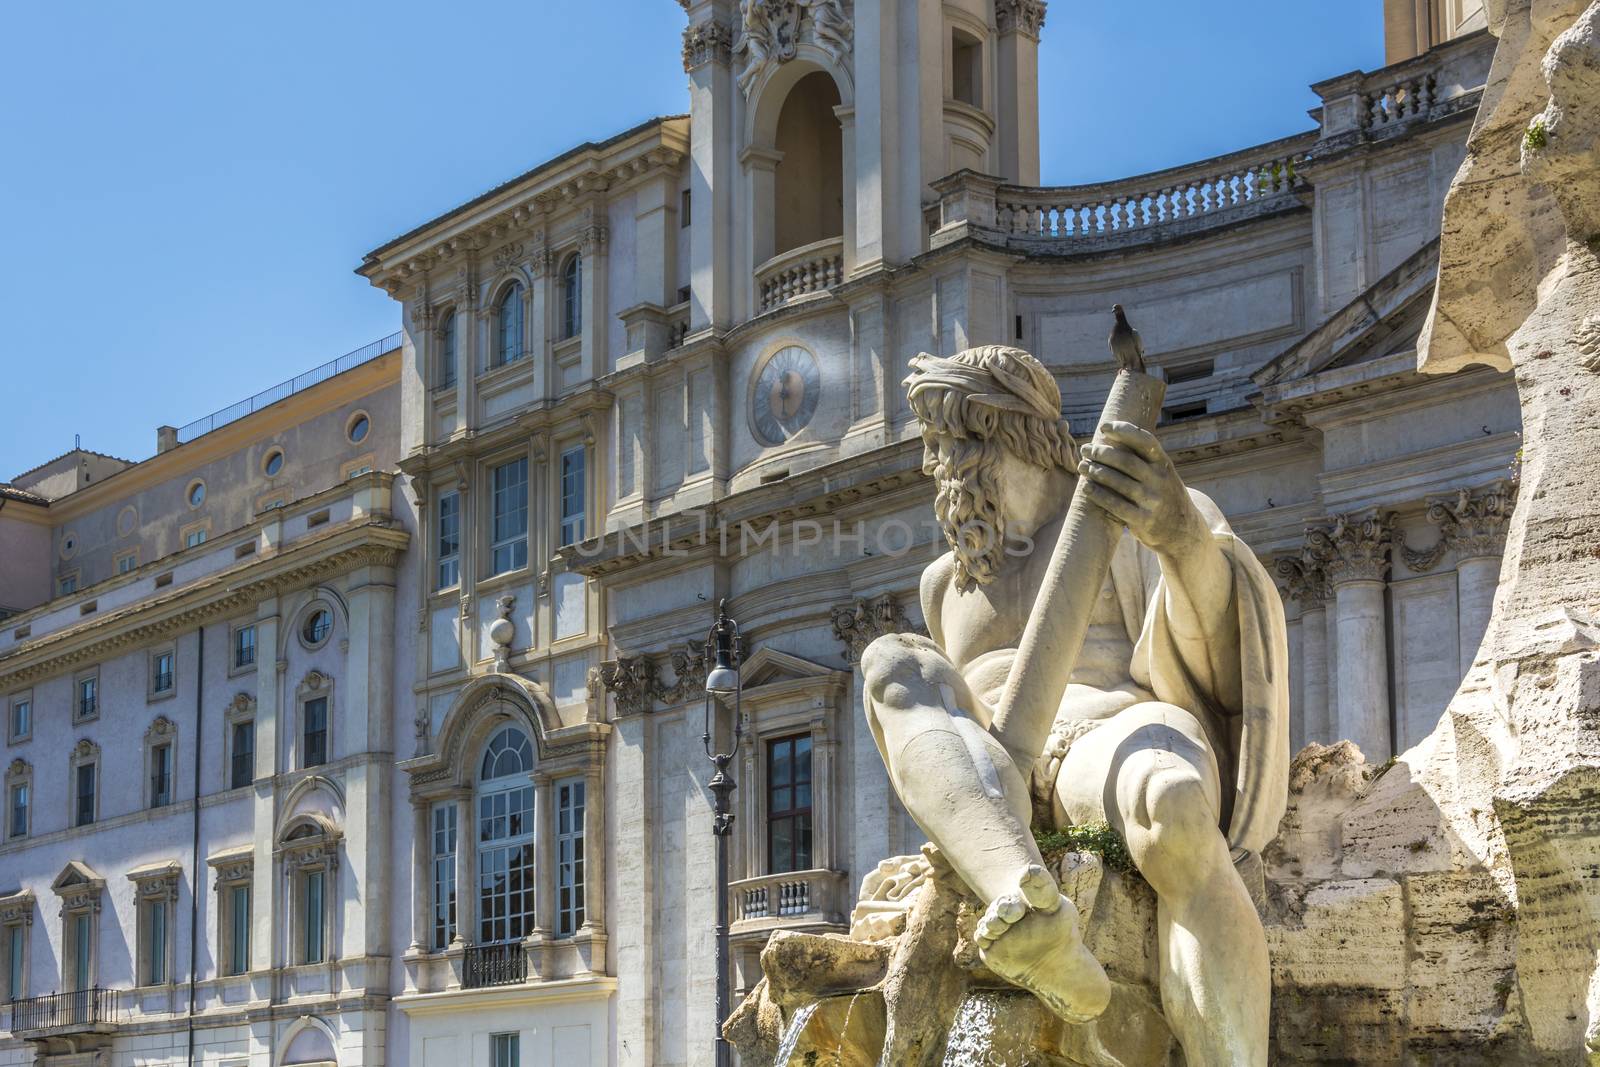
{"x": 658, "y": 372}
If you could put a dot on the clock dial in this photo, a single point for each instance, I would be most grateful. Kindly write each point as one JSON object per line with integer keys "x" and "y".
{"x": 785, "y": 394}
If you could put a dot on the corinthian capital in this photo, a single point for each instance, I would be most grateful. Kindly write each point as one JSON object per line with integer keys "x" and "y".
{"x": 1351, "y": 548}
{"x": 1302, "y": 579}
{"x": 1473, "y": 522}
{"x": 1020, "y": 16}
{"x": 706, "y": 42}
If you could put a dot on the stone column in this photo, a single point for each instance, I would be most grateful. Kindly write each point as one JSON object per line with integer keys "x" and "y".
{"x": 760, "y": 239}
{"x": 544, "y": 836}
{"x": 537, "y": 328}
{"x": 708, "y": 60}
{"x": 594, "y": 847}
{"x": 1473, "y": 523}
{"x": 422, "y": 876}
{"x": 470, "y": 338}
{"x": 823, "y": 750}
{"x": 466, "y": 870}
{"x": 1017, "y": 81}
{"x": 595, "y": 360}
{"x": 1354, "y": 551}
{"x": 1305, "y": 584}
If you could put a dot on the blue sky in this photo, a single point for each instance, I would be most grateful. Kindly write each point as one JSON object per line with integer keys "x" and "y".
{"x": 187, "y": 186}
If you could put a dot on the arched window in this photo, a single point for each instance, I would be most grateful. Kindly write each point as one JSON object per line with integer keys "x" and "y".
{"x": 572, "y": 297}
{"x": 447, "y": 351}
{"x": 505, "y": 838}
{"x": 509, "y": 348}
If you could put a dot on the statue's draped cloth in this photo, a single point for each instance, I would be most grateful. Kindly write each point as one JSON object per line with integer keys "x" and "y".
{"x": 1244, "y": 706}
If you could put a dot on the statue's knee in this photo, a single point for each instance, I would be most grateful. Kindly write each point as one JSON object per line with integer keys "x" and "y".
{"x": 892, "y": 668}
{"x": 1180, "y": 823}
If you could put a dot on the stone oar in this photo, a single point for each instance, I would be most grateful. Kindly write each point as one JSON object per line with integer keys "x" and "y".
{"x": 1056, "y": 628}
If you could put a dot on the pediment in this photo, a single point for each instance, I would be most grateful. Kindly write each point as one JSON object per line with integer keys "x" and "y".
{"x": 769, "y": 667}
{"x": 75, "y": 875}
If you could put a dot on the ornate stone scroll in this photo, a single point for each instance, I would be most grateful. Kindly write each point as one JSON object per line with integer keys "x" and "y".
{"x": 638, "y": 682}
{"x": 772, "y": 30}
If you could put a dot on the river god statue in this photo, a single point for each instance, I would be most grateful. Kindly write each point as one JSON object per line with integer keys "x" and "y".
{"x": 1101, "y": 645}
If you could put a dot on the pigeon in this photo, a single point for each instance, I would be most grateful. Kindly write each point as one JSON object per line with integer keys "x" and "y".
{"x": 1125, "y": 343}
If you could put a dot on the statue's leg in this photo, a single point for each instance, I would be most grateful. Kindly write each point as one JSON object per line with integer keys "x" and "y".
{"x": 1151, "y": 774}
{"x": 961, "y": 787}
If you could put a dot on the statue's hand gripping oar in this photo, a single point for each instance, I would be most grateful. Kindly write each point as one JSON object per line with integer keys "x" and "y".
{"x": 1056, "y": 628}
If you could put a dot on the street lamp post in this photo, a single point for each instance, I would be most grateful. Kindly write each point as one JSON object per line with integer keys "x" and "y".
{"x": 724, "y": 649}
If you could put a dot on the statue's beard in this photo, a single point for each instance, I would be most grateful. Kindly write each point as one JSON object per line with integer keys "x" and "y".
{"x": 970, "y": 510}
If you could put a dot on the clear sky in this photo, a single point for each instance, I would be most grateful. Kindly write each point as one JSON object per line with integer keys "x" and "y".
{"x": 187, "y": 186}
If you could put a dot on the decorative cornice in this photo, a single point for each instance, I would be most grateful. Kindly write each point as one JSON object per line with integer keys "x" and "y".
{"x": 1020, "y": 16}
{"x": 638, "y": 682}
{"x": 706, "y": 42}
{"x": 1352, "y": 548}
{"x": 157, "y": 883}
{"x": 17, "y": 908}
{"x": 369, "y": 542}
{"x": 860, "y": 622}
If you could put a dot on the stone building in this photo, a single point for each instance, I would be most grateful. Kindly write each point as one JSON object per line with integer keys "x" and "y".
{"x": 656, "y": 372}
{"x": 196, "y": 671}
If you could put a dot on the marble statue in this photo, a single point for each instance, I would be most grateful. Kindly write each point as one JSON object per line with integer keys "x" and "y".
{"x": 1170, "y": 724}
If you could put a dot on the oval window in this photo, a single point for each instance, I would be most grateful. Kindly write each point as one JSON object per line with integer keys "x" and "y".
{"x": 197, "y": 494}
{"x": 274, "y": 463}
{"x": 359, "y": 427}
{"x": 317, "y": 626}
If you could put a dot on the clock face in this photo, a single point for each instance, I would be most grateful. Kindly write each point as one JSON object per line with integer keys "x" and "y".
{"x": 785, "y": 395}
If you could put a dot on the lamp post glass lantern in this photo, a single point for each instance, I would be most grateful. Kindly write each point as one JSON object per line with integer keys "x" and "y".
{"x": 724, "y": 649}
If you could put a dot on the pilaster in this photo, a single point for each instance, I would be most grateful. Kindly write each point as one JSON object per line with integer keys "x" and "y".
{"x": 1019, "y": 23}
{"x": 1354, "y": 552}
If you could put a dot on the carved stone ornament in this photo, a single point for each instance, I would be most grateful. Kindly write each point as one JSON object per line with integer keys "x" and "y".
{"x": 638, "y": 682}
{"x": 1352, "y": 548}
{"x": 1020, "y": 16}
{"x": 1474, "y": 523}
{"x": 241, "y": 704}
{"x": 161, "y": 729}
{"x": 506, "y": 256}
{"x": 233, "y": 871}
{"x": 1303, "y": 580}
{"x": 772, "y": 30}
{"x": 860, "y": 622}
{"x": 706, "y": 42}
{"x": 19, "y": 769}
{"x": 314, "y": 680}
{"x": 502, "y": 632}
{"x": 17, "y": 909}
{"x": 157, "y": 884}
{"x": 421, "y": 312}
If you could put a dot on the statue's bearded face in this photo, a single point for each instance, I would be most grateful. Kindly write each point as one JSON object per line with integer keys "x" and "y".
{"x": 969, "y": 504}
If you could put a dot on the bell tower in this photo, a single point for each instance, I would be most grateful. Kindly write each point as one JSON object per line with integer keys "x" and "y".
{"x": 819, "y": 126}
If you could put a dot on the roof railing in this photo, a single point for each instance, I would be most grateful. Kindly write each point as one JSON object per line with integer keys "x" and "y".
{"x": 284, "y": 390}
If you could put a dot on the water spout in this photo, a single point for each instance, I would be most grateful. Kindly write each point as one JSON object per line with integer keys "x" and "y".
{"x": 791, "y": 1036}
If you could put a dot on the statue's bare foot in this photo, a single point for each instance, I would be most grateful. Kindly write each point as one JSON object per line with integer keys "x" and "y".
{"x": 1031, "y": 938}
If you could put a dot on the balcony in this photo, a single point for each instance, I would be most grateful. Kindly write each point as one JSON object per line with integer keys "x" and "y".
{"x": 85, "y": 1011}
{"x": 800, "y": 272}
{"x": 795, "y": 900}
{"x": 492, "y": 965}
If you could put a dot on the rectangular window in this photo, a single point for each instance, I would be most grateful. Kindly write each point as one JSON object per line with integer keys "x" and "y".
{"x": 19, "y": 810}
{"x": 82, "y": 949}
{"x": 84, "y": 811}
{"x": 685, "y": 203}
{"x": 21, "y": 719}
{"x": 509, "y": 503}
{"x": 194, "y": 538}
{"x": 67, "y": 586}
{"x": 315, "y": 713}
{"x": 161, "y": 673}
{"x": 127, "y": 563}
{"x": 160, "y": 776}
{"x": 789, "y": 804}
{"x": 155, "y": 959}
{"x": 449, "y": 542}
{"x": 88, "y": 697}
{"x": 239, "y": 938}
{"x": 573, "y": 486}
{"x": 569, "y": 857}
{"x": 315, "y": 915}
{"x": 242, "y": 761}
{"x": 16, "y": 959}
{"x": 506, "y": 1050}
{"x": 244, "y": 646}
{"x": 444, "y": 875}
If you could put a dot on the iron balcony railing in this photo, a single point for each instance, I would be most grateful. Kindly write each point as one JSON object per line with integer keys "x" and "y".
{"x": 83, "y": 1008}
{"x": 268, "y": 397}
{"x": 501, "y": 964}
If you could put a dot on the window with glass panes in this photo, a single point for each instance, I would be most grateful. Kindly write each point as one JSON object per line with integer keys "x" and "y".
{"x": 444, "y": 875}
{"x": 19, "y": 809}
{"x": 239, "y": 929}
{"x": 161, "y": 776}
{"x": 242, "y": 758}
{"x": 449, "y": 540}
{"x": 244, "y": 646}
{"x": 505, "y": 838}
{"x": 572, "y": 298}
{"x": 508, "y": 501}
{"x": 509, "y": 346}
{"x": 315, "y": 715}
{"x": 80, "y": 928}
{"x": 447, "y": 351}
{"x": 314, "y": 909}
{"x": 572, "y": 495}
{"x": 155, "y": 938}
{"x": 88, "y": 697}
{"x": 789, "y": 804}
{"x": 570, "y": 798}
{"x": 84, "y": 806}
{"x": 21, "y": 718}
{"x": 161, "y": 672}
{"x": 16, "y": 961}
{"x": 505, "y": 1050}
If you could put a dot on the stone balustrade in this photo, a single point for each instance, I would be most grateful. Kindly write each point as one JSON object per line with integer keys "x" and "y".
{"x": 1401, "y": 101}
{"x": 795, "y": 898}
{"x": 1143, "y": 209}
{"x": 799, "y": 272}
{"x": 1436, "y": 85}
